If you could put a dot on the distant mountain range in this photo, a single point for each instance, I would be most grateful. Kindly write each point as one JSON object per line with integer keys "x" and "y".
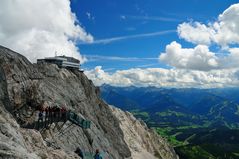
{"x": 220, "y": 106}
{"x": 200, "y": 123}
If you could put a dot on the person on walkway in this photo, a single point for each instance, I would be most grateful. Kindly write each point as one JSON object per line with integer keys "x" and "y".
{"x": 50, "y": 115}
{"x": 40, "y": 119}
{"x": 97, "y": 154}
{"x": 36, "y": 118}
{"x": 63, "y": 114}
{"x": 54, "y": 111}
{"x": 44, "y": 116}
{"x": 47, "y": 117}
{"x": 79, "y": 152}
{"x": 58, "y": 114}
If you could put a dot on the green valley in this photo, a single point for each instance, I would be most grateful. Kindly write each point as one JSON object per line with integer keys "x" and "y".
{"x": 200, "y": 124}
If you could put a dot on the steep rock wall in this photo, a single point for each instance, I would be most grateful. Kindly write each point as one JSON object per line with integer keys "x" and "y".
{"x": 24, "y": 86}
{"x": 142, "y": 141}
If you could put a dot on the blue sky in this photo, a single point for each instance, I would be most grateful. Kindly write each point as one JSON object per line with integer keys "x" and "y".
{"x": 132, "y": 21}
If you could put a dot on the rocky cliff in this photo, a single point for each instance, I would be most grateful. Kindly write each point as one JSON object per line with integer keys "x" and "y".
{"x": 24, "y": 86}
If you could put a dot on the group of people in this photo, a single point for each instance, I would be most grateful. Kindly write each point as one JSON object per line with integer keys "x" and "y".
{"x": 48, "y": 115}
{"x": 80, "y": 153}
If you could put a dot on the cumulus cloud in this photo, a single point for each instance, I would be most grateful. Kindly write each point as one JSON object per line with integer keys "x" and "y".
{"x": 231, "y": 61}
{"x": 227, "y": 28}
{"x": 196, "y": 33}
{"x": 160, "y": 77}
{"x": 199, "y": 58}
{"x": 40, "y": 28}
{"x": 224, "y": 31}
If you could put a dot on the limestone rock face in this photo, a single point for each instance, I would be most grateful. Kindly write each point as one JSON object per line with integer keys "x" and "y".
{"x": 24, "y": 86}
{"x": 142, "y": 141}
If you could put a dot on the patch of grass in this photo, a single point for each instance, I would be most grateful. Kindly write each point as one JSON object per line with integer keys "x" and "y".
{"x": 236, "y": 154}
{"x": 188, "y": 127}
{"x": 164, "y": 132}
{"x": 171, "y": 113}
{"x": 193, "y": 152}
{"x": 139, "y": 113}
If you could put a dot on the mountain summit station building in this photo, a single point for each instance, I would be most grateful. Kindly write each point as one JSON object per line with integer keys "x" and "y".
{"x": 62, "y": 62}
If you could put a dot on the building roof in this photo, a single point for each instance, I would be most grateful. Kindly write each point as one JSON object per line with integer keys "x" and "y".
{"x": 63, "y": 58}
{"x": 70, "y": 59}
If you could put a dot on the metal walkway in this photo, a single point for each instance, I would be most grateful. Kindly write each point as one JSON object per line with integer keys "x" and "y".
{"x": 47, "y": 120}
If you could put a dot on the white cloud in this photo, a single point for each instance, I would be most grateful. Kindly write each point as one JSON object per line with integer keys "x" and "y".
{"x": 196, "y": 33}
{"x": 198, "y": 58}
{"x": 152, "y": 18}
{"x": 123, "y": 17}
{"x": 224, "y": 31}
{"x": 117, "y": 58}
{"x": 231, "y": 61}
{"x": 120, "y": 38}
{"x": 227, "y": 27}
{"x": 166, "y": 77}
{"x": 39, "y": 28}
{"x": 89, "y": 16}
